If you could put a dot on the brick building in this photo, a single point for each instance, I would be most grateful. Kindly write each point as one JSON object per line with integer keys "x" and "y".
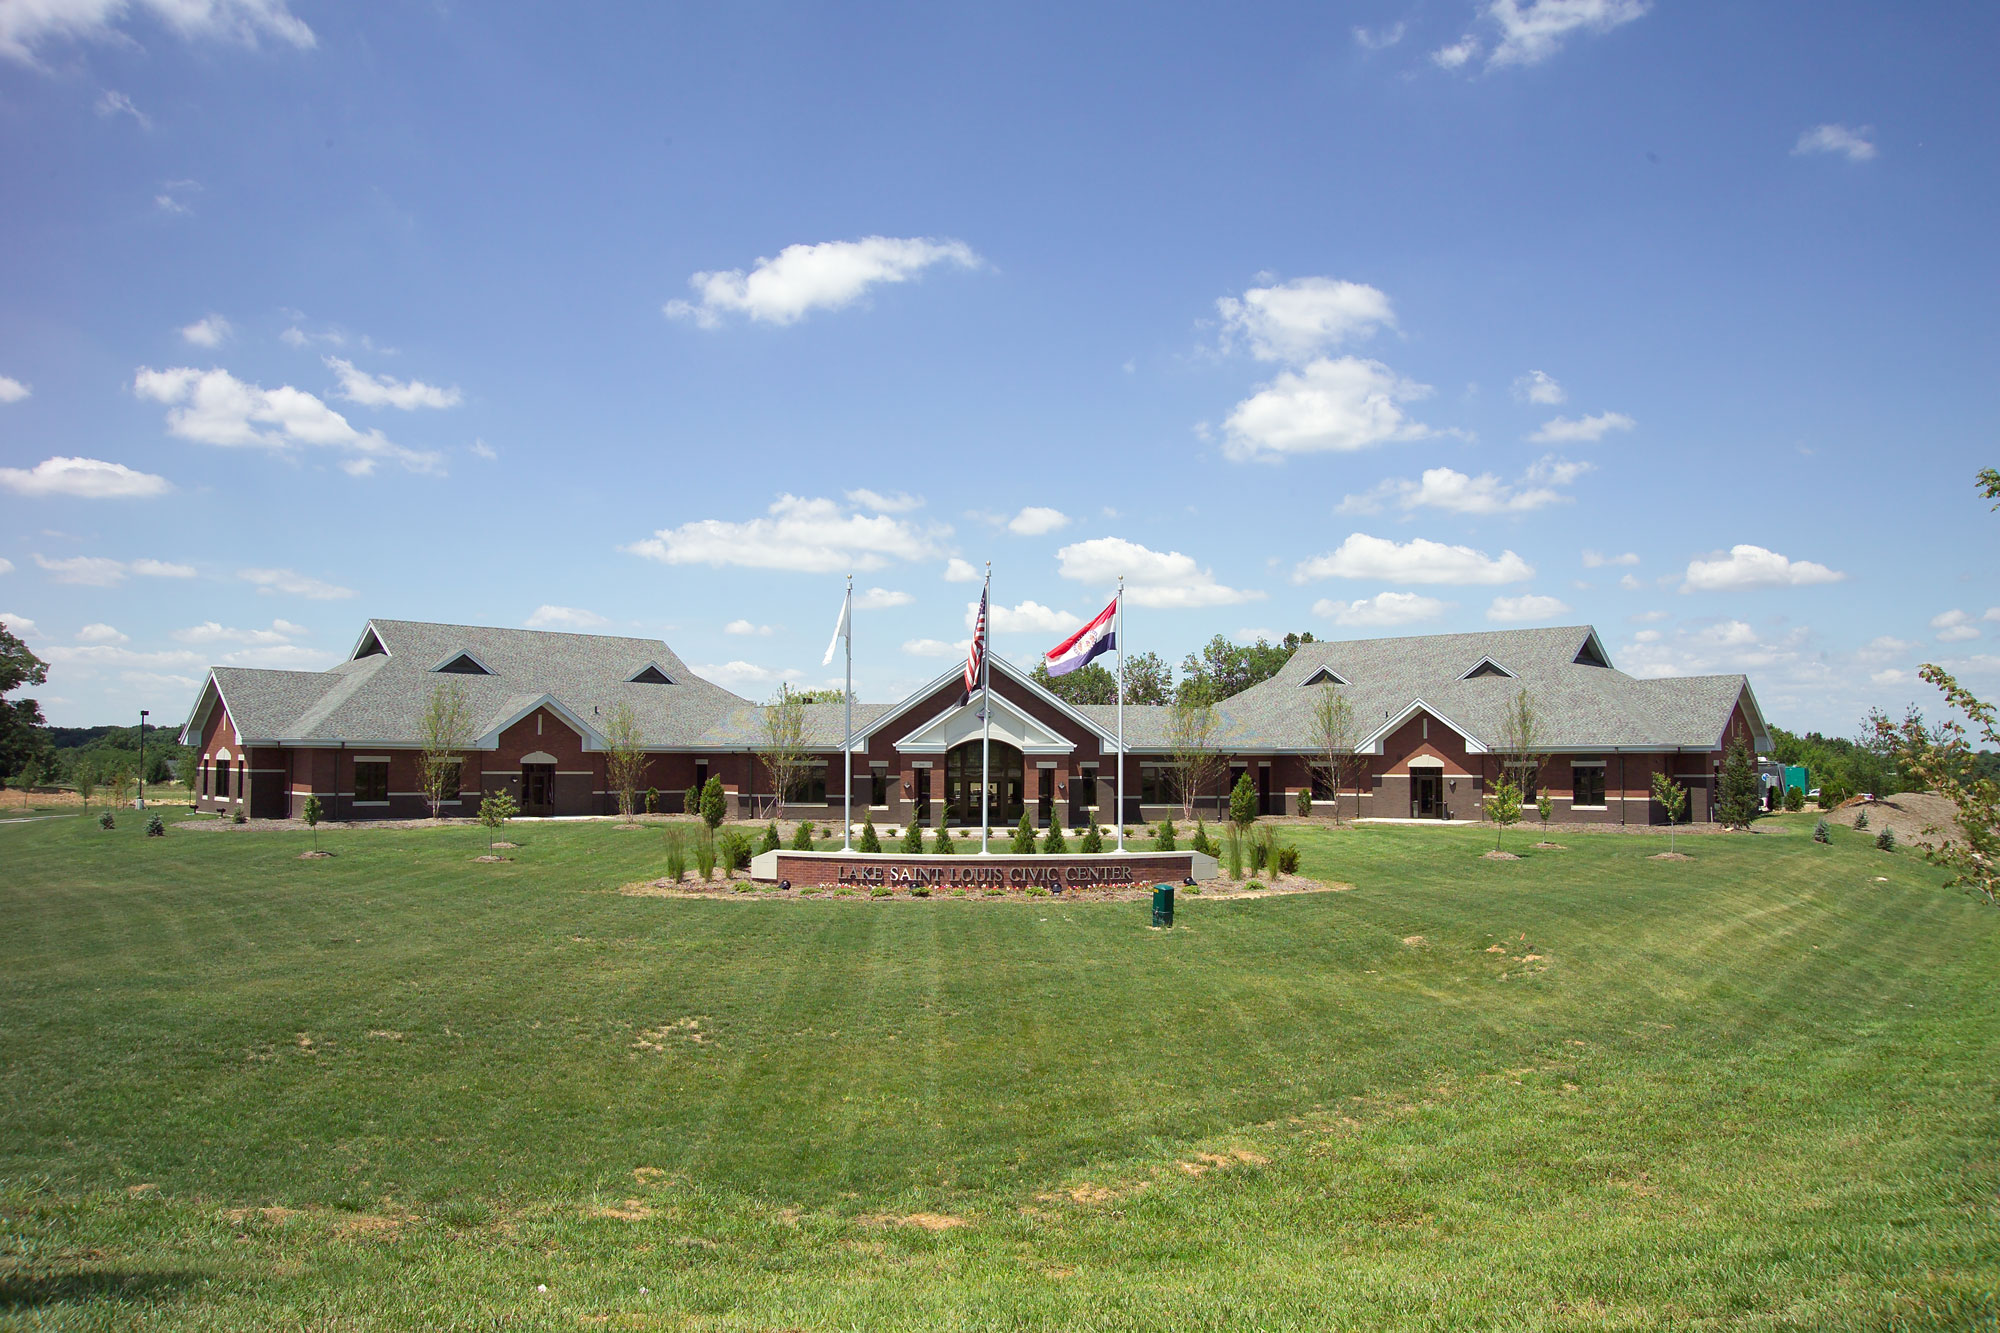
{"x": 1427, "y": 733}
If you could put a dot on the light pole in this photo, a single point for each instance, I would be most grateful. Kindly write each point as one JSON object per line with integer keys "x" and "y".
{"x": 143, "y": 714}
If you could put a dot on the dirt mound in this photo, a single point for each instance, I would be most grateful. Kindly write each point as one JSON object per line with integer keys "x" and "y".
{"x": 1908, "y": 813}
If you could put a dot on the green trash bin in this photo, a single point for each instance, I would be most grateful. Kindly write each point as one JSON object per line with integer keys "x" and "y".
{"x": 1163, "y": 906}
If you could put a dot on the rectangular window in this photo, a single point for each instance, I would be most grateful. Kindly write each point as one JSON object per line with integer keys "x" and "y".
{"x": 809, "y": 788}
{"x": 371, "y": 780}
{"x": 1587, "y": 785}
{"x": 242, "y": 772}
{"x": 1322, "y": 790}
{"x": 207, "y": 767}
{"x": 1083, "y": 788}
{"x": 449, "y": 773}
{"x": 879, "y": 786}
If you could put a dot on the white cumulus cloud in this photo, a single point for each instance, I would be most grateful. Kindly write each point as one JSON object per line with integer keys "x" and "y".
{"x": 26, "y": 25}
{"x": 1954, "y": 626}
{"x": 358, "y": 386}
{"x": 83, "y": 478}
{"x": 291, "y": 584}
{"x": 1416, "y": 561}
{"x": 12, "y": 390}
{"x": 1582, "y": 430}
{"x": 1598, "y": 560}
{"x": 214, "y": 631}
{"x": 1539, "y": 387}
{"x": 550, "y": 616}
{"x": 746, "y": 628}
{"x": 19, "y": 624}
{"x": 115, "y": 103}
{"x": 1457, "y": 54}
{"x": 1854, "y": 145}
{"x": 1384, "y": 609}
{"x": 1152, "y": 578}
{"x": 1027, "y": 617}
{"x": 1036, "y": 520}
{"x": 209, "y": 332}
{"x": 738, "y": 673}
{"x": 936, "y": 647}
{"x": 102, "y": 633}
{"x": 1456, "y": 493}
{"x": 1530, "y": 33}
{"x": 214, "y": 407}
{"x": 803, "y": 278}
{"x": 881, "y": 599}
{"x": 813, "y": 536}
{"x": 1325, "y": 406}
{"x": 1294, "y": 321}
{"x": 901, "y": 502}
{"x": 1528, "y": 606}
{"x": 96, "y": 571}
{"x": 1747, "y": 566}
{"x": 960, "y": 571}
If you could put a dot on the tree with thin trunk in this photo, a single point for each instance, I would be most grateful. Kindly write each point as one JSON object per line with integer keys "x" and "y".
{"x": 1503, "y": 807}
{"x": 624, "y": 755}
{"x": 312, "y": 814}
{"x": 1522, "y": 739}
{"x": 121, "y": 786}
{"x": 1197, "y": 758}
{"x": 445, "y": 731}
{"x": 783, "y": 753}
{"x": 1673, "y": 798}
{"x": 1332, "y": 730}
{"x": 86, "y": 784}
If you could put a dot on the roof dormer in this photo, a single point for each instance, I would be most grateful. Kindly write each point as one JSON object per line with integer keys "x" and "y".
{"x": 650, "y": 674}
{"x": 1486, "y": 666}
{"x": 369, "y": 646}
{"x": 464, "y": 664}
{"x": 1592, "y": 653}
{"x": 1323, "y": 676}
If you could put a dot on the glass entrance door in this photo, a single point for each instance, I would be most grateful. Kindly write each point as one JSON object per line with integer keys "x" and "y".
{"x": 1427, "y": 794}
{"x": 538, "y": 789}
{"x": 961, "y": 785}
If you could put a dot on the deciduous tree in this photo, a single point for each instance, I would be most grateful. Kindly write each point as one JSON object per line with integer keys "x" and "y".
{"x": 1333, "y": 737}
{"x": 1673, "y": 799}
{"x": 624, "y": 755}
{"x": 445, "y": 731}
{"x": 783, "y": 753}
{"x": 1197, "y": 758}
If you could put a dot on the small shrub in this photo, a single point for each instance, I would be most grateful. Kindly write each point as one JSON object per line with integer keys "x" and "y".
{"x": 870, "y": 840}
{"x": 1885, "y": 841}
{"x": 704, "y": 853}
{"x": 1024, "y": 837}
{"x": 1795, "y": 799}
{"x": 239, "y": 818}
{"x": 993, "y": 893}
{"x": 802, "y": 836}
{"x": 691, "y": 801}
{"x": 1253, "y": 886}
{"x": 1037, "y": 891}
{"x": 1545, "y": 808}
{"x": 913, "y": 839}
{"x": 1861, "y": 819}
{"x": 1305, "y": 802}
{"x": 1821, "y": 833}
{"x": 1202, "y": 842}
{"x": 652, "y": 799}
{"x": 958, "y": 892}
{"x": 772, "y": 842}
{"x": 1093, "y": 840}
{"x": 1055, "y": 842}
{"x": 713, "y": 803}
{"x": 743, "y": 886}
{"x": 105, "y": 821}
{"x": 1163, "y": 841}
{"x": 1243, "y": 803}
{"x": 920, "y": 890}
{"x": 1826, "y": 799}
{"x": 945, "y": 846}
{"x": 732, "y": 850}
{"x": 677, "y": 853}
{"x": 1288, "y": 860}
{"x": 156, "y": 827}
{"x": 880, "y": 891}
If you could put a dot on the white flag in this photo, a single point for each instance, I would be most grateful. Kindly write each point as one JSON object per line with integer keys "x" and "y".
{"x": 840, "y": 630}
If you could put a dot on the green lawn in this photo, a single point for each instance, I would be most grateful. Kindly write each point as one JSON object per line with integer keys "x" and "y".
{"x": 397, "y": 1089}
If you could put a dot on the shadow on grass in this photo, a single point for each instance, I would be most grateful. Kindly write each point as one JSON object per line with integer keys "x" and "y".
{"x": 25, "y": 1291}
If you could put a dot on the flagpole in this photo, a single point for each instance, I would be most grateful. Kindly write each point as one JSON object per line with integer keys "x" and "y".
{"x": 1121, "y": 712}
{"x": 986, "y": 715}
{"x": 847, "y": 741}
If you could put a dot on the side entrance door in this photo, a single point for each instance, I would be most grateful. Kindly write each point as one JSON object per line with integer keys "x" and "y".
{"x": 538, "y": 789}
{"x": 1427, "y": 794}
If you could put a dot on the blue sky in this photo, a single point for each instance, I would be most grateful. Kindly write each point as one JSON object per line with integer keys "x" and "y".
{"x": 1362, "y": 319}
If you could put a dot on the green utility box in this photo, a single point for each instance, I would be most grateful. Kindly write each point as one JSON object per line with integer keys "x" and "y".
{"x": 1163, "y": 906}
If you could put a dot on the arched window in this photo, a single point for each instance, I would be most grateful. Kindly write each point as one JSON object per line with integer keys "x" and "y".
{"x": 961, "y": 785}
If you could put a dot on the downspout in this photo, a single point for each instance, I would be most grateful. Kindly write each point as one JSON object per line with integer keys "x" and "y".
{"x": 1624, "y": 790}
{"x": 336, "y": 780}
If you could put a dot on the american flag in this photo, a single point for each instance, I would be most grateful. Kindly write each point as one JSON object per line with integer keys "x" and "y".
{"x": 976, "y": 654}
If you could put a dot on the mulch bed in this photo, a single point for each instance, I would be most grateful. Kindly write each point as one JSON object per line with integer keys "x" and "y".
{"x": 749, "y": 889}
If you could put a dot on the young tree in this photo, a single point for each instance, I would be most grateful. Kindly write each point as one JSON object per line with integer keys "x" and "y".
{"x": 1942, "y": 760}
{"x": 624, "y": 755}
{"x": 1024, "y": 836}
{"x": 772, "y": 842}
{"x": 1333, "y": 737}
{"x": 445, "y": 731}
{"x": 783, "y": 753}
{"x": 121, "y": 785}
{"x": 85, "y": 782}
{"x": 312, "y": 814}
{"x": 913, "y": 838}
{"x": 871, "y": 841}
{"x": 1196, "y": 758}
{"x": 1521, "y": 745}
{"x": 1545, "y": 808}
{"x": 495, "y": 809}
{"x": 1053, "y": 843}
{"x": 714, "y": 803}
{"x": 1673, "y": 799}
{"x": 1736, "y": 795}
{"x": 1503, "y": 807}
{"x": 1243, "y": 803}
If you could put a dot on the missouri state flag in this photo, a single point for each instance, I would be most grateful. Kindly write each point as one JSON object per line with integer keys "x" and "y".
{"x": 1099, "y": 636}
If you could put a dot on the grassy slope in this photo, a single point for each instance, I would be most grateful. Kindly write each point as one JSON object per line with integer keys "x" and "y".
{"x": 1752, "y": 1090}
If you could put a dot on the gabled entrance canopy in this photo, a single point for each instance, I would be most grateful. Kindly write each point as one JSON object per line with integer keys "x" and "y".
{"x": 938, "y": 732}
{"x": 961, "y": 722}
